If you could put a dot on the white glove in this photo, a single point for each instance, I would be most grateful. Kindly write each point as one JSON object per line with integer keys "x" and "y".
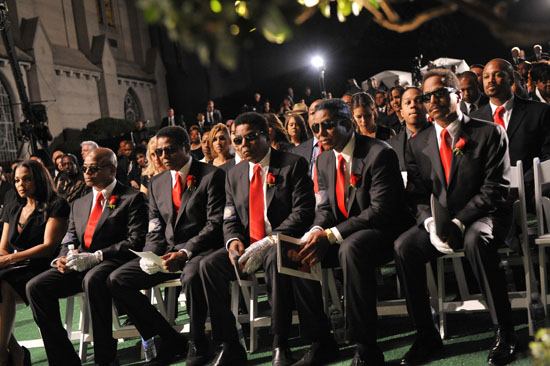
{"x": 306, "y": 236}
{"x": 83, "y": 261}
{"x": 148, "y": 266}
{"x": 435, "y": 240}
{"x": 254, "y": 255}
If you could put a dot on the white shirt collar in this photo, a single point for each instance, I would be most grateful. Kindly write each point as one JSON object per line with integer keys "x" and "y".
{"x": 453, "y": 128}
{"x": 508, "y": 105}
{"x": 347, "y": 152}
{"x": 184, "y": 171}
{"x": 106, "y": 192}
{"x": 539, "y": 95}
{"x": 263, "y": 163}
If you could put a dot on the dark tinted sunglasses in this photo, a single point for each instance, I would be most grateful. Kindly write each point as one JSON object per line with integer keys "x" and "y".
{"x": 238, "y": 140}
{"x": 327, "y": 125}
{"x": 92, "y": 169}
{"x": 439, "y": 93}
{"x": 168, "y": 150}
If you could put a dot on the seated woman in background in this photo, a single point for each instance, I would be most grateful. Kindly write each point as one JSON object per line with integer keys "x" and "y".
{"x": 34, "y": 226}
{"x": 277, "y": 132}
{"x": 220, "y": 145}
{"x": 154, "y": 165}
{"x": 296, "y": 128}
{"x": 364, "y": 113}
{"x": 70, "y": 182}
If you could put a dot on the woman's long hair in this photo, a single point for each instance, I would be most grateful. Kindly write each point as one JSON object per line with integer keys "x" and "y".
{"x": 44, "y": 188}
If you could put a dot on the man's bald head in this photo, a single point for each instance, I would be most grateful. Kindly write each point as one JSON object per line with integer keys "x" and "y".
{"x": 104, "y": 155}
{"x": 99, "y": 168}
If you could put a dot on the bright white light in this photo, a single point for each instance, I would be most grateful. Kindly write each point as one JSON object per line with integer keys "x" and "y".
{"x": 310, "y": 3}
{"x": 317, "y": 61}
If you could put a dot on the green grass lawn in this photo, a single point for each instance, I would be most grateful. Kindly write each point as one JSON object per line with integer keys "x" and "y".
{"x": 470, "y": 337}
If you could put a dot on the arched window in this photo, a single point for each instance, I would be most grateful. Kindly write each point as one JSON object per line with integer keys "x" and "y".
{"x": 8, "y": 144}
{"x": 132, "y": 107}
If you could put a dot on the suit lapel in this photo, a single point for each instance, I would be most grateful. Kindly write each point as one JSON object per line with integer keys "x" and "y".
{"x": 457, "y": 158}
{"x": 331, "y": 164}
{"x": 431, "y": 149}
{"x": 274, "y": 168}
{"x": 242, "y": 172}
{"x": 518, "y": 112}
{"x": 193, "y": 171}
{"x": 356, "y": 168}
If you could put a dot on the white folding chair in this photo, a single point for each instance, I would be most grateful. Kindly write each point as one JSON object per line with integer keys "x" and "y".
{"x": 542, "y": 204}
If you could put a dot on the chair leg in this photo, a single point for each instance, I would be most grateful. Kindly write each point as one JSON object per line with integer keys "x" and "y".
{"x": 542, "y": 268}
{"x": 461, "y": 279}
{"x": 86, "y": 331}
{"x": 69, "y": 311}
{"x": 441, "y": 297}
{"x": 253, "y": 310}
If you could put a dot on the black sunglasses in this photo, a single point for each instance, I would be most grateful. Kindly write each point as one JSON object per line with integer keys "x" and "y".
{"x": 93, "y": 169}
{"x": 327, "y": 125}
{"x": 238, "y": 140}
{"x": 168, "y": 150}
{"x": 439, "y": 93}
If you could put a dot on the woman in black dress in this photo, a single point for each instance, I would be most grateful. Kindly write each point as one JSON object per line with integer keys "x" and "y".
{"x": 34, "y": 226}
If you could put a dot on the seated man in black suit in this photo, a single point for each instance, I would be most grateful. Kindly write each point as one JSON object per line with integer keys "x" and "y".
{"x": 527, "y": 123}
{"x": 185, "y": 224}
{"x": 472, "y": 98}
{"x": 172, "y": 120}
{"x": 360, "y": 211}
{"x": 464, "y": 163}
{"x": 103, "y": 226}
{"x": 267, "y": 193}
{"x": 414, "y": 113}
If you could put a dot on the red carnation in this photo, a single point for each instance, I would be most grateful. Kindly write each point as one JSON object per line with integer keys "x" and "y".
{"x": 354, "y": 179}
{"x": 459, "y": 146}
{"x": 191, "y": 182}
{"x": 112, "y": 202}
{"x": 270, "y": 180}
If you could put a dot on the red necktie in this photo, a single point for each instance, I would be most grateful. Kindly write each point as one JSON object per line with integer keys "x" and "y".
{"x": 176, "y": 192}
{"x": 446, "y": 152}
{"x": 256, "y": 205}
{"x": 93, "y": 219}
{"x": 341, "y": 185}
{"x": 498, "y": 116}
{"x": 315, "y": 184}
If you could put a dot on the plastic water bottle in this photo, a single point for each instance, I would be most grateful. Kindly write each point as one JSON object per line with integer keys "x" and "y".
{"x": 338, "y": 324}
{"x": 71, "y": 252}
{"x": 149, "y": 349}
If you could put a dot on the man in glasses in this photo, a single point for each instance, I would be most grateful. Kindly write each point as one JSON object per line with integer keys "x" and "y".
{"x": 527, "y": 123}
{"x": 267, "y": 193}
{"x": 414, "y": 113}
{"x": 360, "y": 211}
{"x": 185, "y": 224}
{"x": 463, "y": 163}
{"x": 103, "y": 226}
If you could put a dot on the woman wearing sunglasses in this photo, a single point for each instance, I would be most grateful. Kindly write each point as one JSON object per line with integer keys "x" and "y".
{"x": 154, "y": 165}
{"x": 364, "y": 114}
{"x": 220, "y": 145}
{"x": 34, "y": 226}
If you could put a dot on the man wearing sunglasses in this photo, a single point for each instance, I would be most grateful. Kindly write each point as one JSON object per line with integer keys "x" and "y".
{"x": 185, "y": 224}
{"x": 463, "y": 163}
{"x": 102, "y": 236}
{"x": 266, "y": 194}
{"x": 360, "y": 211}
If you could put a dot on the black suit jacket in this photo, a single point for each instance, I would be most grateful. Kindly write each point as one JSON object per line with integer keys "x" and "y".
{"x": 197, "y": 227}
{"x": 483, "y": 100}
{"x": 290, "y": 202}
{"x": 377, "y": 202}
{"x": 177, "y": 119}
{"x": 217, "y": 117}
{"x": 528, "y": 132}
{"x": 118, "y": 229}
{"x": 479, "y": 179}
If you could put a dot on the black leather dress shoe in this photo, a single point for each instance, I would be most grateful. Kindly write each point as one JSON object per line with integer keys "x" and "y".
{"x": 425, "y": 348}
{"x": 319, "y": 354}
{"x": 198, "y": 353}
{"x": 374, "y": 357}
{"x": 504, "y": 348}
{"x": 170, "y": 350}
{"x": 282, "y": 356}
{"x": 26, "y": 356}
{"x": 230, "y": 355}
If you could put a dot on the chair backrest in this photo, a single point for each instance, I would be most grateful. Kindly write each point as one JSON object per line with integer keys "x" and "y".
{"x": 542, "y": 204}
{"x": 520, "y": 206}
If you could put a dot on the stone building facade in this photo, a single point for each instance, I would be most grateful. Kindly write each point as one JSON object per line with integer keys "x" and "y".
{"x": 84, "y": 60}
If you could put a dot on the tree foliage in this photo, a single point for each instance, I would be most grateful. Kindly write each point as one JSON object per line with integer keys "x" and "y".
{"x": 217, "y": 29}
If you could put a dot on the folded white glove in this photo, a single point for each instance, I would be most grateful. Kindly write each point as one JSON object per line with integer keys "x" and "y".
{"x": 148, "y": 266}
{"x": 306, "y": 236}
{"x": 254, "y": 255}
{"x": 83, "y": 261}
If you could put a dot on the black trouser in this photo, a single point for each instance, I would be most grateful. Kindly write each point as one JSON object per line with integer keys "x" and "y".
{"x": 283, "y": 291}
{"x": 127, "y": 281}
{"x": 413, "y": 249}
{"x": 359, "y": 255}
{"x": 44, "y": 292}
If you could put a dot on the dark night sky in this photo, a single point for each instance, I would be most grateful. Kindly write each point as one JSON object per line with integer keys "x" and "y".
{"x": 358, "y": 48}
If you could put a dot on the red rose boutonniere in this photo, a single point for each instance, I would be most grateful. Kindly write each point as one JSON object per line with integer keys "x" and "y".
{"x": 354, "y": 180}
{"x": 270, "y": 180}
{"x": 459, "y": 146}
{"x": 112, "y": 202}
{"x": 191, "y": 183}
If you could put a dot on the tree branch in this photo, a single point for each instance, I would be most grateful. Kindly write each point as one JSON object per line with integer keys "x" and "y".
{"x": 418, "y": 20}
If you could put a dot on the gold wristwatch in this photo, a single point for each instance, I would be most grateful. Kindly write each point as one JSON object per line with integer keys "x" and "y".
{"x": 330, "y": 236}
